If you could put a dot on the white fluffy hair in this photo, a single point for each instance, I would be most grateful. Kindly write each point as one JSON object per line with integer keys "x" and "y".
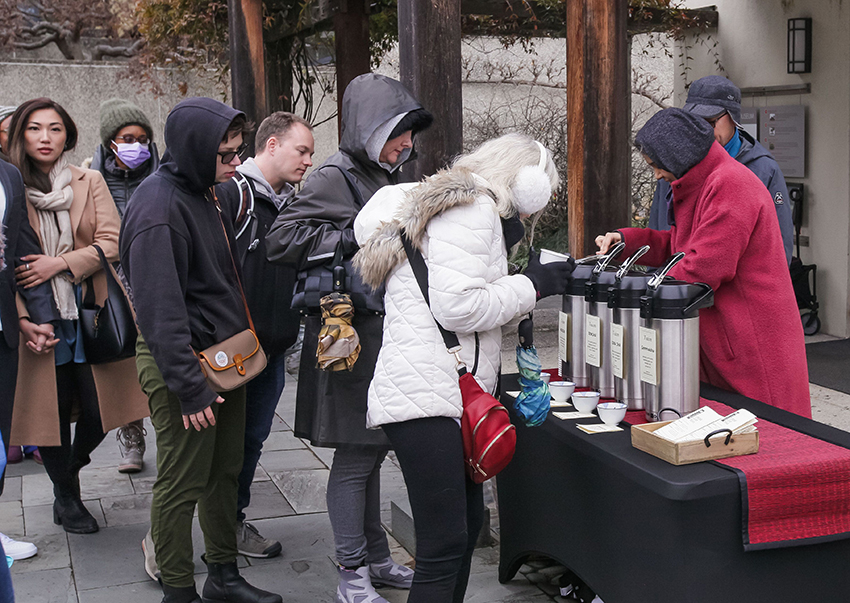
{"x": 499, "y": 161}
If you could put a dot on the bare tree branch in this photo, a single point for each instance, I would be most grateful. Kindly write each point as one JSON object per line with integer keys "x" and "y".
{"x": 104, "y": 50}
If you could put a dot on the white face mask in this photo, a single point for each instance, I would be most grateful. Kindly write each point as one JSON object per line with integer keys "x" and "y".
{"x": 133, "y": 155}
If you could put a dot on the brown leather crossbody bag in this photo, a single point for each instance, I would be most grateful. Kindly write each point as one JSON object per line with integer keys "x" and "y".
{"x": 233, "y": 362}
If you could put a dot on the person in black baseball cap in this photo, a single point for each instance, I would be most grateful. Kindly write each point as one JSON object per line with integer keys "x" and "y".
{"x": 718, "y": 101}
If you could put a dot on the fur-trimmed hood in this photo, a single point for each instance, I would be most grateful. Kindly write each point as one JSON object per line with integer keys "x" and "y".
{"x": 410, "y": 208}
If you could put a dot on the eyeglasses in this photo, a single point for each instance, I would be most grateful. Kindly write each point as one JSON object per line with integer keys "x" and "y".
{"x": 130, "y": 139}
{"x": 713, "y": 122}
{"x": 227, "y": 156}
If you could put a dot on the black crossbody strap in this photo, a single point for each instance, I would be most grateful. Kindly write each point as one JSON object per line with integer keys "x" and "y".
{"x": 420, "y": 271}
{"x": 358, "y": 196}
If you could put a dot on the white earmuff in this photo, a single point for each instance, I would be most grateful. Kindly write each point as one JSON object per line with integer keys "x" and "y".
{"x": 532, "y": 188}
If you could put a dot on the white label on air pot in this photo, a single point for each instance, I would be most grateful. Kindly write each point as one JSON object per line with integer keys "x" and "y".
{"x": 221, "y": 359}
{"x": 617, "y": 338}
{"x": 563, "y": 337}
{"x": 592, "y": 346}
{"x": 649, "y": 356}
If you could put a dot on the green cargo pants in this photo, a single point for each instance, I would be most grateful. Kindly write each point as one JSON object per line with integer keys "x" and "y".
{"x": 193, "y": 467}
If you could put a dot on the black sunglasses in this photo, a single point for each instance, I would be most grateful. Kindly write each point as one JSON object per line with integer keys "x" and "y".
{"x": 228, "y": 156}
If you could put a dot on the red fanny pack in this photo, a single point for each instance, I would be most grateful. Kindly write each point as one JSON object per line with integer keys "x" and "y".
{"x": 489, "y": 437}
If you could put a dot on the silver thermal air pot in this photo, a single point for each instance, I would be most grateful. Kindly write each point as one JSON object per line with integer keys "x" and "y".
{"x": 571, "y": 325}
{"x": 598, "y": 324}
{"x": 624, "y": 301}
{"x": 669, "y": 340}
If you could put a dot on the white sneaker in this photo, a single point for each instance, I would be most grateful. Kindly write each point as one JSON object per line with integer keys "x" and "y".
{"x": 356, "y": 587}
{"x": 17, "y": 549}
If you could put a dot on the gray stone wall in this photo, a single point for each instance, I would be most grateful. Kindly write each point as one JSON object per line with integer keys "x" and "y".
{"x": 81, "y": 86}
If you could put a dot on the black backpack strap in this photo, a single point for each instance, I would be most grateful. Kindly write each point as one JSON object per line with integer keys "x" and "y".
{"x": 352, "y": 183}
{"x": 245, "y": 213}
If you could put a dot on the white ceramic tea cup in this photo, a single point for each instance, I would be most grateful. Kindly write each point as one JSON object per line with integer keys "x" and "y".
{"x": 545, "y": 377}
{"x": 547, "y": 256}
{"x": 612, "y": 413}
{"x": 561, "y": 390}
{"x": 585, "y": 401}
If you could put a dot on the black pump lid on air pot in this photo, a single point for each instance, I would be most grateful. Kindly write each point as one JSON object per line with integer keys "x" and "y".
{"x": 676, "y": 300}
{"x": 627, "y": 292}
{"x": 579, "y": 278}
{"x": 596, "y": 289}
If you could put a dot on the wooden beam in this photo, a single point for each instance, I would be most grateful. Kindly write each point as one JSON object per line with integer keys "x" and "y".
{"x": 247, "y": 59}
{"x": 646, "y": 20}
{"x": 279, "y": 74}
{"x": 430, "y": 58}
{"x": 530, "y": 18}
{"x": 598, "y": 102}
{"x": 351, "y": 35}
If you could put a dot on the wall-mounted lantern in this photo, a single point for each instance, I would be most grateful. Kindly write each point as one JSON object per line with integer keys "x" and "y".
{"x": 800, "y": 45}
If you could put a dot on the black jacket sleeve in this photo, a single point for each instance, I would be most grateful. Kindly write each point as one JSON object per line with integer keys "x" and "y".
{"x": 308, "y": 230}
{"x": 39, "y": 299}
{"x": 157, "y": 260}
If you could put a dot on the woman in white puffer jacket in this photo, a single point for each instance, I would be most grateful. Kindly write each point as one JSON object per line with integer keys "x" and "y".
{"x": 463, "y": 220}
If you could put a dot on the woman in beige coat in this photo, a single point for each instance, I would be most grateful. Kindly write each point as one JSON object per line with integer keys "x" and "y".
{"x": 71, "y": 210}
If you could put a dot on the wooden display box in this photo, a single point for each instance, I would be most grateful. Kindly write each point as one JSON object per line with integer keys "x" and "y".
{"x": 685, "y": 453}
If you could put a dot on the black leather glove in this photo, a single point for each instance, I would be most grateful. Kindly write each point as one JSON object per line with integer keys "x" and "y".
{"x": 548, "y": 279}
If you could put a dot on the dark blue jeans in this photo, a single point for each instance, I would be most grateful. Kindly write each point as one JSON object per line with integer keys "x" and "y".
{"x": 262, "y": 396}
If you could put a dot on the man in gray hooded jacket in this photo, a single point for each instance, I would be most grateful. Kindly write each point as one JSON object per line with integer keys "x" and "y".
{"x": 379, "y": 121}
{"x": 718, "y": 101}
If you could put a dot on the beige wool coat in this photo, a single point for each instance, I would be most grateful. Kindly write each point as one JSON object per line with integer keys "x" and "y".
{"x": 35, "y": 420}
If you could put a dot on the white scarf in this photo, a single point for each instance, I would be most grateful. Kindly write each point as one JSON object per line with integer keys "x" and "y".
{"x": 57, "y": 236}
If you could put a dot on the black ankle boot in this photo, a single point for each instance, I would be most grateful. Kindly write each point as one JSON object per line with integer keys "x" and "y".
{"x": 180, "y": 594}
{"x": 224, "y": 584}
{"x": 70, "y": 512}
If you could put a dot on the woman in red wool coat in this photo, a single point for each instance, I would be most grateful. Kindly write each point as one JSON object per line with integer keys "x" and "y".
{"x": 723, "y": 219}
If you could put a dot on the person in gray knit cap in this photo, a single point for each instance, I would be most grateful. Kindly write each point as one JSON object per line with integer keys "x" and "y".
{"x": 5, "y": 120}
{"x": 718, "y": 101}
{"x": 126, "y": 156}
{"x": 751, "y": 339}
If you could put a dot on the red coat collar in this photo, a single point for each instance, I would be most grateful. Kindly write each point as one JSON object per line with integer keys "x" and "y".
{"x": 695, "y": 178}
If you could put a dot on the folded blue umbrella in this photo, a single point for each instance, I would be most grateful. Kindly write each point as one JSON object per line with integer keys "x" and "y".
{"x": 532, "y": 404}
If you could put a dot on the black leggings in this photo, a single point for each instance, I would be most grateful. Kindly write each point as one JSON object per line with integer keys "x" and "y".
{"x": 448, "y": 508}
{"x": 74, "y": 383}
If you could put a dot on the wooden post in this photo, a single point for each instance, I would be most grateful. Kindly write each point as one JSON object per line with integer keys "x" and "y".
{"x": 351, "y": 35}
{"x": 429, "y": 54}
{"x": 598, "y": 121}
{"x": 247, "y": 61}
{"x": 279, "y": 75}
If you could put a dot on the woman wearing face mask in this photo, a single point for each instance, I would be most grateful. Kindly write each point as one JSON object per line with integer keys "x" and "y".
{"x": 126, "y": 156}
{"x": 70, "y": 210}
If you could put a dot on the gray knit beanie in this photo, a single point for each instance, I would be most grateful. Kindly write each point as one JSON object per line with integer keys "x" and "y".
{"x": 6, "y": 111}
{"x": 116, "y": 113}
{"x": 675, "y": 140}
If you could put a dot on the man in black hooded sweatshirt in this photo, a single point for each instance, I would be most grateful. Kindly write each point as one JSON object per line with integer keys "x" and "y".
{"x": 178, "y": 261}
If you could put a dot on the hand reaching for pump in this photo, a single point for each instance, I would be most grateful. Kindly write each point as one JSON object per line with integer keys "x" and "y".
{"x": 607, "y": 241}
{"x": 548, "y": 279}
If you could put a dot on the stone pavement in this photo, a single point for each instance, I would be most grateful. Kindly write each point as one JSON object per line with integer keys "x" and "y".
{"x": 288, "y": 504}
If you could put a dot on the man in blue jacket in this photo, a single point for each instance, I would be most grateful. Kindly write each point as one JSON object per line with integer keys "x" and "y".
{"x": 252, "y": 199}
{"x": 718, "y": 101}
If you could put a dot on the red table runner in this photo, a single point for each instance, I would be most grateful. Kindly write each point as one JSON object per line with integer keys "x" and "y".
{"x": 794, "y": 491}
